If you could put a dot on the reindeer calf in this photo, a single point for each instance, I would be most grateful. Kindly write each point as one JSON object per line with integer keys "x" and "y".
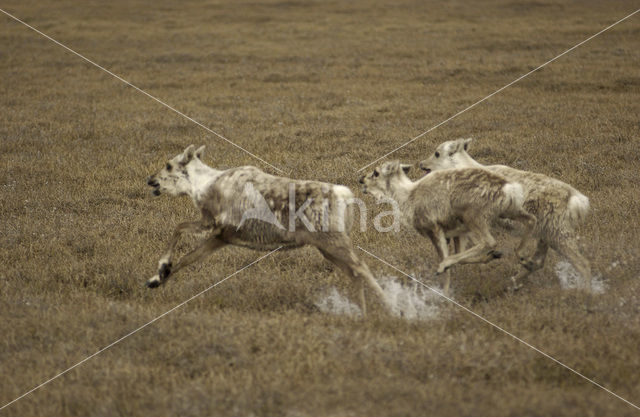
{"x": 246, "y": 207}
{"x": 436, "y": 204}
{"x": 557, "y": 207}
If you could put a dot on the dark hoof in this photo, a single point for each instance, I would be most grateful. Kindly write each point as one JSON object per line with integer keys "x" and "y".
{"x": 495, "y": 254}
{"x": 164, "y": 271}
{"x": 153, "y": 284}
{"x": 528, "y": 264}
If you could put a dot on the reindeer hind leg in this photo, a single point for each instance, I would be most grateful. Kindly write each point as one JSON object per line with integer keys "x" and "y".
{"x": 345, "y": 258}
{"x": 569, "y": 249}
{"x": 536, "y": 263}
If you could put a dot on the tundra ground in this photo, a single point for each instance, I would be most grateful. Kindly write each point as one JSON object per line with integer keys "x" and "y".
{"x": 319, "y": 89}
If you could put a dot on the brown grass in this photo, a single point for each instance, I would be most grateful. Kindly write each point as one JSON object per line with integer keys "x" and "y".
{"x": 320, "y": 88}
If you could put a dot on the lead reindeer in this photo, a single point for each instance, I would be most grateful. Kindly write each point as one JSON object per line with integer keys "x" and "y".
{"x": 246, "y": 207}
{"x": 449, "y": 201}
{"x": 558, "y": 207}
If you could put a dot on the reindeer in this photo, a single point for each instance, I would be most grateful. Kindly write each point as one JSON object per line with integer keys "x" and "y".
{"x": 247, "y": 207}
{"x": 558, "y": 207}
{"x": 448, "y": 202}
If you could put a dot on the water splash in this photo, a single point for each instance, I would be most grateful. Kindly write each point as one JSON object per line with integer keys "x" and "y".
{"x": 335, "y": 303}
{"x": 570, "y": 279}
{"x": 410, "y": 301}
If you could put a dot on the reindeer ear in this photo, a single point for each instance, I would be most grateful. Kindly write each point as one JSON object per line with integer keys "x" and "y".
{"x": 466, "y": 142}
{"x": 200, "y": 152}
{"x": 187, "y": 155}
{"x": 405, "y": 168}
{"x": 387, "y": 167}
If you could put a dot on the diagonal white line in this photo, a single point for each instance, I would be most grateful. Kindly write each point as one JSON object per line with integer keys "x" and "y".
{"x": 142, "y": 91}
{"x": 497, "y": 91}
{"x": 274, "y": 167}
{"x": 500, "y": 328}
{"x": 139, "y": 328}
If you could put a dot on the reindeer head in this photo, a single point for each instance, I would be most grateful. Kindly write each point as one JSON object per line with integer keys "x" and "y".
{"x": 448, "y": 155}
{"x": 173, "y": 179}
{"x": 378, "y": 181}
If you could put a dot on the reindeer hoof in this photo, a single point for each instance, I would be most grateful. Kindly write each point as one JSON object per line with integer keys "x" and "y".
{"x": 154, "y": 282}
{"x": 442, "y": 269}
{"x": 495, "y": 254}
{"x": 165, "y": 270}
{"x": 528, "y": 264}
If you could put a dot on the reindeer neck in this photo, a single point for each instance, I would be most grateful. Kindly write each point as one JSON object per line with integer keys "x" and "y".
{"x": 400, "y": 188}
{"x": 200, "y": 176}
{"x": 468, "y": 162}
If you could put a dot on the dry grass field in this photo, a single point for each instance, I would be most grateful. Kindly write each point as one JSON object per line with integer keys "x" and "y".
{"x": 319, "y": 89}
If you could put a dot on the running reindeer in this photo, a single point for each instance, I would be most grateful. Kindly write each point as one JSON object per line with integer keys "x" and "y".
{"x": 246, "y": 207}
{"x": 558, "y": 207}
{"x": 449, "y": 202}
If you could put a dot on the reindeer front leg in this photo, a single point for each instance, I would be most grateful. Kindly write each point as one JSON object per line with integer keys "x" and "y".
{"x": 204, "y": 249}
{"x": 164, "y": 264}
{"x": 439, "y": 240}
